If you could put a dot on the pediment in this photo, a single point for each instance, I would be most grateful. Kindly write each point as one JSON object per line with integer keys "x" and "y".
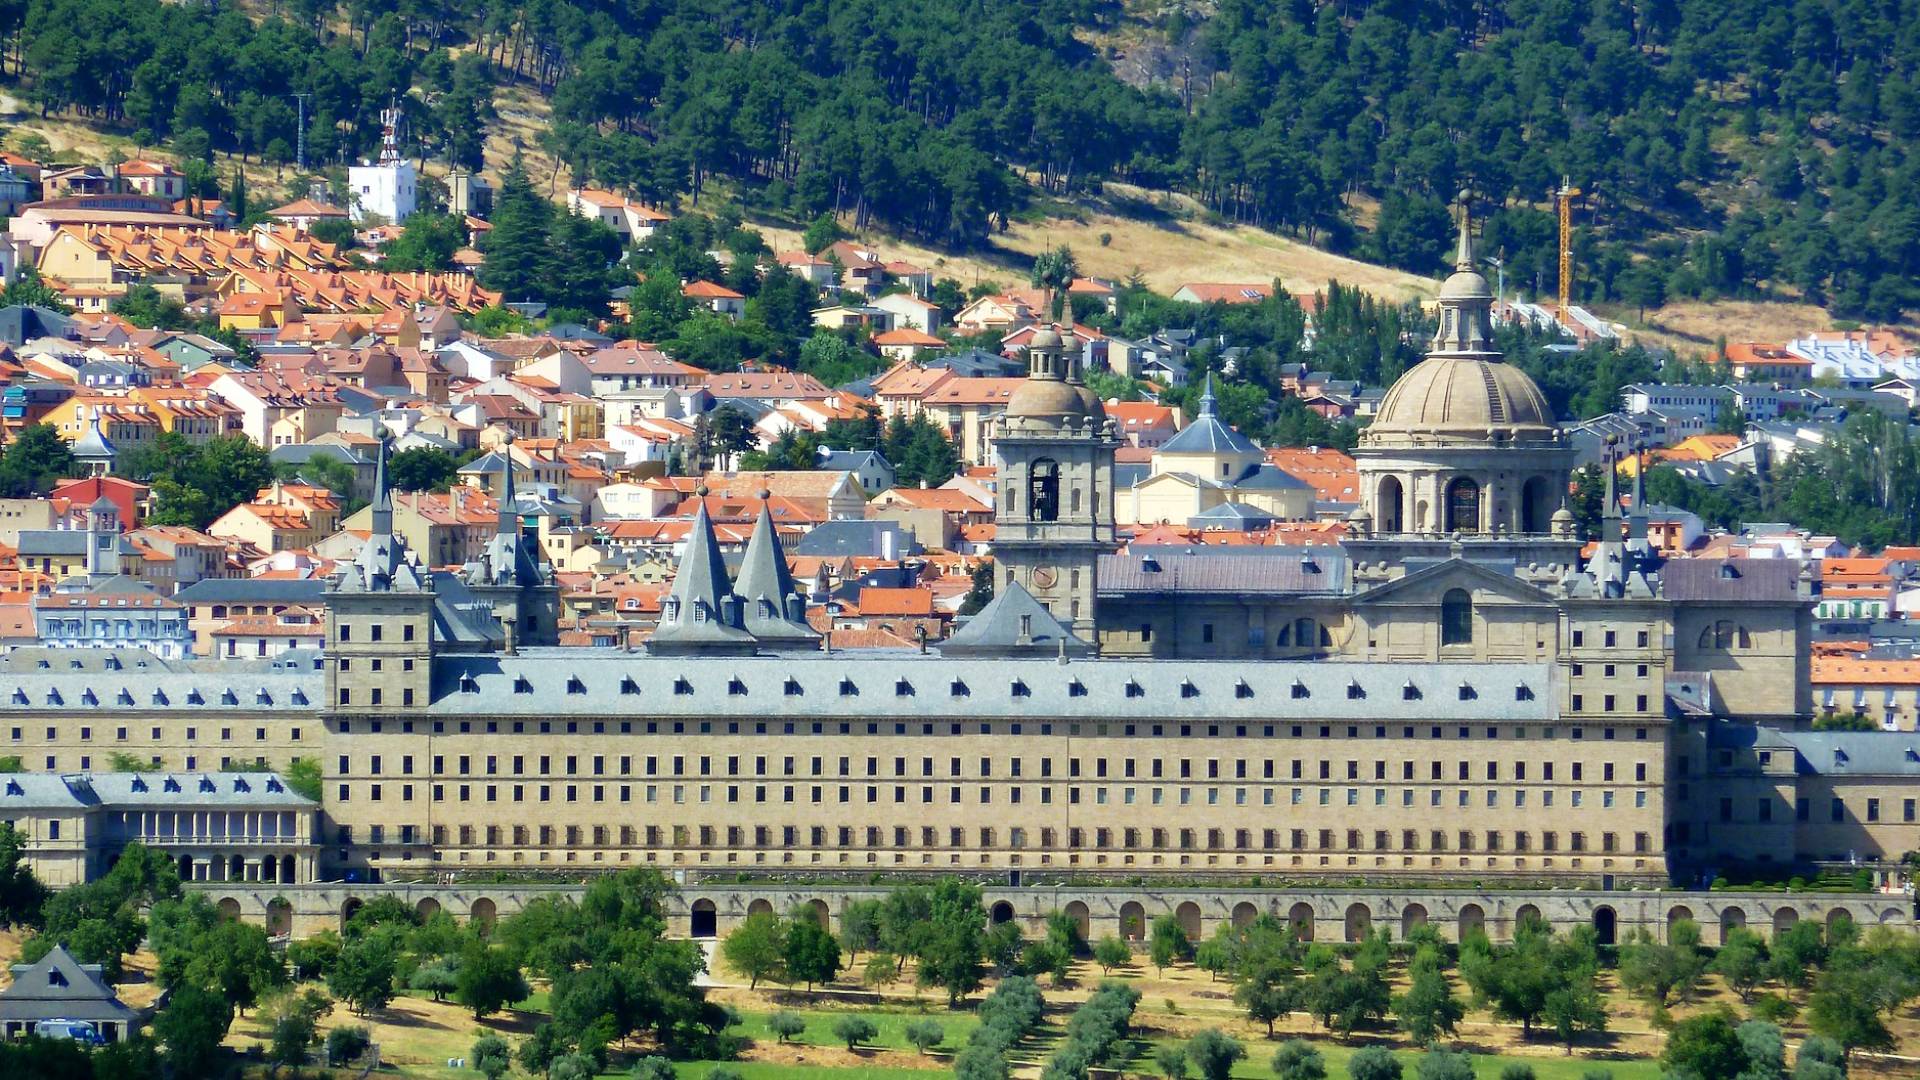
{"x": 1427, "y": 585}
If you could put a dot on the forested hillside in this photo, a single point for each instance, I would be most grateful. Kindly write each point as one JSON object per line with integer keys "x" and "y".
{"x": 1730, "y": 147}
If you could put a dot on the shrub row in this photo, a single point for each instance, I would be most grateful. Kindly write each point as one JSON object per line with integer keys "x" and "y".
{"x": 1005, "y": 1018}
{"x": 1095, "y": 1033}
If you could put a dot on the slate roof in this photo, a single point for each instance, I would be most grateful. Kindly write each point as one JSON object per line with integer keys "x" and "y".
{"x": 1014, "y": 623}
{"x": 46, "y": 791}
{"x": 21, "y": 323}
{"x": 253, "y": 591}
{"x": 1207, "y": 434}
{"x": 1760, "y": 580}
{"x": 545, "y": 683}
{"x": 857, "y": 538}
{"x": 59, "y": 987}
{"x": 1224, "y": 569}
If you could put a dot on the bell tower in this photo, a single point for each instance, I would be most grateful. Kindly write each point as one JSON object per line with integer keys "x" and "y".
{"x": 1054, "y": 513}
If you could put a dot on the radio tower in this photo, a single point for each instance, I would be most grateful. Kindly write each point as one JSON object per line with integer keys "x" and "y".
{"x": 300, "y": 136}
{"x": 390, "y": 135}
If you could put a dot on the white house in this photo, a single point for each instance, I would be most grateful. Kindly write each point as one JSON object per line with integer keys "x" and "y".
{"x": 909, "y": 310}
{"x": 616, "y": 212}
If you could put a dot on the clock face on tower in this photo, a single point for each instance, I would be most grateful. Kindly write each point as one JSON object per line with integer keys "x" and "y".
{"x": 1044, "y": 577}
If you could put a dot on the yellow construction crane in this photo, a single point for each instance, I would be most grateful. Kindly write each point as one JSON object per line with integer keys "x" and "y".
{"x": 1565, "y": 197}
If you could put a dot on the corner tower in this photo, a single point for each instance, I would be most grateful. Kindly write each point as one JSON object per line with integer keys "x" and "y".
{"x": 380, "y": 619}
{"x": 1054, "y": 511}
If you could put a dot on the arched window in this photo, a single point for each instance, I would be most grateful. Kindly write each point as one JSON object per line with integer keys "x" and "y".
{"x": 1043, "y": 491}
{"x": 1305, "y": 633}
{"x": 1456, "y": 618}
{"x": 1463, "y": 506}
{"x": 1387, "y": 514}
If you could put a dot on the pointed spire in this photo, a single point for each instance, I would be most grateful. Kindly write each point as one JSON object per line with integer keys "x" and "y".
{"x": 509, "y": 519}
{"x": 1610, "y": 502}
{"x": 1463, "y": 254}
{"x": 774, "y": 610}
{"x": 701, "y": 613}
{"x": 1207, "y": 400}
{"x": 382, "y": 502}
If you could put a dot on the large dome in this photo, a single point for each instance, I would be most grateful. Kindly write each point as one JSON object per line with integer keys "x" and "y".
{"x": 1046, "y": 399}
{"x": 1462, "y": 397}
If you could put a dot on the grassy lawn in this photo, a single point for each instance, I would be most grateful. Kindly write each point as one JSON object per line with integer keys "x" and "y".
{"x": 763, "y": 1070}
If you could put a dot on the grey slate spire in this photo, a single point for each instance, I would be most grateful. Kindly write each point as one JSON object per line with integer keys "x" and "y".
{"x": 701, "y": 614}
{"x": 382, "y": 565}
{"x": 775, "y": 612}
{"x": 512, "y": 558}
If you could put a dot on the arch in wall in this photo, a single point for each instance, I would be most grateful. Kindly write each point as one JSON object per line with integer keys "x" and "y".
{"x": 1536, "y": 505}
{"x": 427, "y": 908}
{"x": 1188, "y": 916}
{"x": 269, "y": 869}
{"x": 1891, "y": 916}
{"x": 286, "y": 869}
{"x": 1605, "y": 925}
{"x": 1359, "y": 922}
{"x": 1000, "y": 912}
{"x": 237, "y": 868}
{"x": 703, "y": 919}
{"x": 1411, "y": 916}
{"x": 1133, "y": 921}
{"x": 229, "y": 908}
{"x": 1472, "y": 917}
{"x": 1525, "y": 914}
{"x": 1462, "y": 506}
{"x": 1300, "y": 917}
{"x": 1082, "y": 920}
{"x": 1389, "y": 506}
{"x": 483, "y": 911}
{"x": 759, "y": 907}
{"x": 1676, "y": 913}
{"x": 1731, "y": 918}
{"x": 348, "y": 910}
{"x": 1243, "y": 915}
{"x": 186, "y": 868}
{"x": 821, "y": 913}
{"x": 279, "y": 917}
{"x": 1838, "y": 914}
{"x": 1784, "y": 918}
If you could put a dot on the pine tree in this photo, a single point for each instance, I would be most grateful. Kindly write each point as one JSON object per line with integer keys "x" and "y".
{"x": 519, "y": 244}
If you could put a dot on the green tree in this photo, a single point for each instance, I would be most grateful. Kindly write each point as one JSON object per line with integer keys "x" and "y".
{"x": 860, "y": 927}
{"x": 1442, "y": 1064}
{"x": 518, "y": 245}
{"x": 191, "y": 1028}
{"x": 21, "y": 894}
{"x": 1820, "y": 1058}
{"x": 1429, "y": 1008}
{"x": 653, "y": 1068}
{"x": 1212, "y": 1054}
{"x": 427, "y": 242}
{"x": 363, "y": 976}
{"x": 811, "y": 954}
{"x": 1298, "y": 1060}
{"x": 785, "y": 1025}
{"x": 1167, "y": 943}
{"x": 312, "y": 957}
{"x": 491, "y": 1056}
{"x": 853, "y": 1030}
{"x": 924, "y": 1034}
{"x": 1373, "y": 1063}
{"x": 1657, "y": 971}
{"x": 1053, "y": 271}
{"x": 435, "y": 979}
{"x": 27, "y": 288}
{"x": 34, "y": 461}
{"x": 1110, "y": 952}
{"x": 1171, "y": 1060}
{"x": 823, "y": 233}
{"x": 950, "y": 954}
{"x": 756, "y": 948}
{"x": 1741, "y": 961}
{"x": 1703, "y": 1047}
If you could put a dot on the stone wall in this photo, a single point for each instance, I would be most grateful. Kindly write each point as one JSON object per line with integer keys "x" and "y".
{"x": 706, "y": 910}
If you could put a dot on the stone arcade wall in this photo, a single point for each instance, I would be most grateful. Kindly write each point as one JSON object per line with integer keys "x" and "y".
{"x": 707, "y": 910}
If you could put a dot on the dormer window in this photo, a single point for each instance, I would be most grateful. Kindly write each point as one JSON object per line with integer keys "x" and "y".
{"x": 1188, "y": 690}
{"x": 1242, "y": 689}
{"x": 1300, "y": 690}
{"x": 793, "y": 688}
{"x": 299, "y": 697}
{"x": 160, "y": 697}
{"x": 682, "y": 687}
{"x": 1523, "y": 692}
{"x": 140, "y": 784}
{"x": 522, "y": 685}
{"x": 124, "y": 697}
{"x": 53, "y": 698}
{"x": 1467, "y": 692}
{"x": 958, "y": 689}
{"x": 902, "y": 688}
{"x": 228, "y": 697}
{"x": 628, "y": 686}
{"x": 848, "y": 689}
{"x": 1409, "y": 692}
{"x": 1076, "y": 688}
{"x": 575, "y": 686}
{"x": 1135, "y": 690}
{"x": 736, "y": 688}
{"x": 1019, "y": 689}
{"x": 469, "y": 684}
